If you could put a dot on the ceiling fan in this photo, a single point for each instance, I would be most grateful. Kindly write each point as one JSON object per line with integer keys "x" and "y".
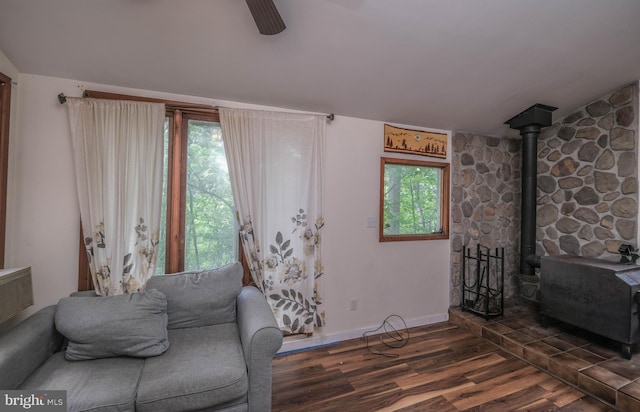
{"x": 266, "y": 15}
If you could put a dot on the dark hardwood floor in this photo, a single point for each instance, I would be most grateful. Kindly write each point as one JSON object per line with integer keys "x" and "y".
{"x": 443, "y": 367}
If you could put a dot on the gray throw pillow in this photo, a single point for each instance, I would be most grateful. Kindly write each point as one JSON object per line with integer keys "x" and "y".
{"x": 200, "y": 298}
{"x": 107, "y": 326}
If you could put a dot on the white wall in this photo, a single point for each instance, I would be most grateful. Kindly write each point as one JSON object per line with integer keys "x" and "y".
{"x": 404, "y": 278}
{"x": 42, "y": 211}
{"x": 410, "y": 279}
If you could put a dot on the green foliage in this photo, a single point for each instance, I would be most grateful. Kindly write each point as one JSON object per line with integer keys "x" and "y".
{"x": 411, "y": 199}
{"x": 211, "y": 235}
{"x": 210, "y": 224}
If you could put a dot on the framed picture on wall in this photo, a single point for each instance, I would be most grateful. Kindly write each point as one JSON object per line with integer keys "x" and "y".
{"x": 399, "y": 140}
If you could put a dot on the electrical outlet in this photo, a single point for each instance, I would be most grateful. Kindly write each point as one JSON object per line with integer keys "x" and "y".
{"x": 372, "y": 222}
{"x": 354, "y": 304}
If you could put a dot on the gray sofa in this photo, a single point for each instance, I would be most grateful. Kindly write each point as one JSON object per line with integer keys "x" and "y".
{"x": 195, "y": 341}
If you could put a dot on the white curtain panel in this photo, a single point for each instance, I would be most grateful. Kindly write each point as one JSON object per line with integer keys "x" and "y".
{"x": 118, "y": 156}
{"x": 276, "y": 167}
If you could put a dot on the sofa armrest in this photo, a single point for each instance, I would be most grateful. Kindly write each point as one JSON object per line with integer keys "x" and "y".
{"x": 26, "y": 346}
{"x": 261, "y": 339}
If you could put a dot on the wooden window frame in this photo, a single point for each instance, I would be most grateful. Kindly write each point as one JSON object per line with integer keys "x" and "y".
{"x": 5, "y": 115}
{"x": 444, "y": 200}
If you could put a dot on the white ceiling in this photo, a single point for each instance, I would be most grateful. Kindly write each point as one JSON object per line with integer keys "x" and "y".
{"x": 466, "y": 65}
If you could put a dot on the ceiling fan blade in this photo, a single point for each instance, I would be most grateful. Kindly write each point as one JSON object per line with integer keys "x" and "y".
{"x": 266, "y": 15}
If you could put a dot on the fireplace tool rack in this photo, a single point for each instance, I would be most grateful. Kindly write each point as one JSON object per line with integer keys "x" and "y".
{"x": 483, "y": 281}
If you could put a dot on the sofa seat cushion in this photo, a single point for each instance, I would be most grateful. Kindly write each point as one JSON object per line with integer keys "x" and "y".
{"x": 202, "y": 368}
{"x": 103, "y": 385}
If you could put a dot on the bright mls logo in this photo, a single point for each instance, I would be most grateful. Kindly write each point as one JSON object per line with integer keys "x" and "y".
{"x": 43, "y": 401}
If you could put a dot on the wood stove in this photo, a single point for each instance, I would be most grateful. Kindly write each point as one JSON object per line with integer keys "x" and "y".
{"x": 593, "y": 294}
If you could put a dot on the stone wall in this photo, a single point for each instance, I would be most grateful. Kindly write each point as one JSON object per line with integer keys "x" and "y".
{"x": 587, "y": 198}
{"x": 587, "y": 182}
{"x": 485, "y": 202}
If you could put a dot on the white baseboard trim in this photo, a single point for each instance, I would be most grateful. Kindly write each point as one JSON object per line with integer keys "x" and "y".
{"x": 302, "y": 343}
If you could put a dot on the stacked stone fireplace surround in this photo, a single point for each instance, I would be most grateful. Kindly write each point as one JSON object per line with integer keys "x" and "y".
{"x": 587, "y": 190}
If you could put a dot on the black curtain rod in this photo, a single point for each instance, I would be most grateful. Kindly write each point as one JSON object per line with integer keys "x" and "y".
{"x": 63, "y": 99}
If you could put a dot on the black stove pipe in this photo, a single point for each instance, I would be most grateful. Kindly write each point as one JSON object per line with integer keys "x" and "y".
{"x": 529, "y": 189}
{"x": 529, "y": 123}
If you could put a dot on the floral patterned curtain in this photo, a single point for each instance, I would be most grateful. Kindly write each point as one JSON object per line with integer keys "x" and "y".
{"x": 276, "y": 167}
{"x": 118, "y": 156}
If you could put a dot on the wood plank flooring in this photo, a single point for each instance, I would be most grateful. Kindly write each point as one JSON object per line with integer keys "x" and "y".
{"x": 583, "y": 359}
{"x": 443, "y": 367}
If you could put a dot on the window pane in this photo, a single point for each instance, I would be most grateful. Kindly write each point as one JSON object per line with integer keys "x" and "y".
{"x": 412, "y": 204}
{"x": 210, "y": 224}
{"x": 413, "y": 200}
{"x": 162, "y": 245}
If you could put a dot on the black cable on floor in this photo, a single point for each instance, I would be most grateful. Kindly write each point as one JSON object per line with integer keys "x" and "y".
{"x": 394, "y": 338}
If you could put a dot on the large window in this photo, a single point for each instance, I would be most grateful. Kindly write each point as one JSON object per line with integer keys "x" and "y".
{"x": 198, "y": 215}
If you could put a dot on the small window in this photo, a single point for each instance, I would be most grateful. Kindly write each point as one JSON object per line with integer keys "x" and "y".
{"x": 414, "y": 200}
